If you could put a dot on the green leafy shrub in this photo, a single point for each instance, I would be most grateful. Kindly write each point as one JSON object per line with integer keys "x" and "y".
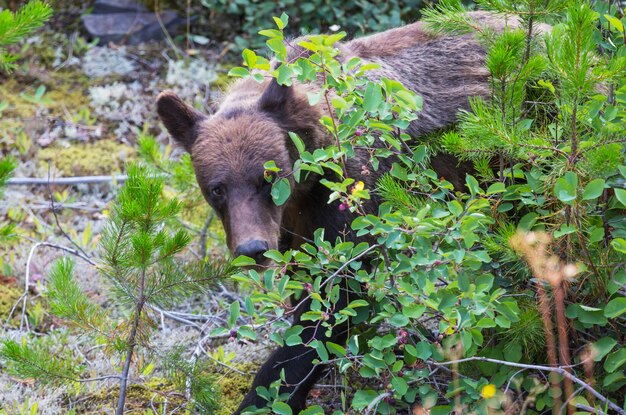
{"x": 554, "y": 131}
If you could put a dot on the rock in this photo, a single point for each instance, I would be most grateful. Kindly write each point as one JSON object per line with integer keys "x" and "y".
{"x": 118, "y": 6}
{"x": 127, "y": 21}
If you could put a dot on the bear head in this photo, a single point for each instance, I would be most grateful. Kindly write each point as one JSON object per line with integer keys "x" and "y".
{"x": 228, "y": 151}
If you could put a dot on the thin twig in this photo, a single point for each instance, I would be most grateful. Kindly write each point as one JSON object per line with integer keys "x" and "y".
{"x": 63, "y": 248}
{"x": 24, "y": 296}
{"x": 589, "y": 409}
{"x": 375, "y": 402}
{"x": 56, "y": 219}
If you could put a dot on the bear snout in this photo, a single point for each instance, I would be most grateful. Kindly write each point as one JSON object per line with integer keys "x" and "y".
{"x": 253, "y": 249}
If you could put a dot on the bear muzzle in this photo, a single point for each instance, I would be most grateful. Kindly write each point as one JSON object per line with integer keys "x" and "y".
{"x": 253, "y": 249}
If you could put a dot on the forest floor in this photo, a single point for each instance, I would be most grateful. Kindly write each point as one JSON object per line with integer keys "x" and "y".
{"x": 75, "y": 108}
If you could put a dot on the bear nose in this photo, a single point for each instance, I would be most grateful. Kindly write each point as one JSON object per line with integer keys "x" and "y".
{"x": 253, "y": 249}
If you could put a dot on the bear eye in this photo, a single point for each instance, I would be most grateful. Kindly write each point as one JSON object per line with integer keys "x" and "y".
{"x": 217, "y": 191}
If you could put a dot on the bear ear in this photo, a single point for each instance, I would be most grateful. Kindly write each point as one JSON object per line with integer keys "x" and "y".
{"x": 178, "y": 117}
{"x": 276, "y": 98}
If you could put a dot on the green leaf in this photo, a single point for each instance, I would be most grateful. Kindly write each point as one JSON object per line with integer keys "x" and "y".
{"x": 441, "y": 410}
{"x": 619, "y": 244}
{"x": 424, "y": 350}
{"x": 513, "y": 352}
{"x": 594, "y": 189}
{"x": 239, "y": 72}
{"x": 472, "y": 185}
{"x": 339, "y": 103}
{"x": 620, "y": 194}
{"x": 233, "y": 314}
{"x": 358, "y": 303}
{"x": 271, "y": 33}
{"x": 249, "y": 58}
{"x": 362, "y": 398}
{"x": 497, "y": 187}
{"x": 281, "y": 408}
{"x": 243, "y": 261}
{"x": 596, "y": 234}
{"x": 373, "y": 97}
{"x": 278, "y": 47}
{"x": 413, "y": 310}
{"x": 547, "y": 84}
{"x": 565, "y": 230}
{"x": 615, "y": 360}
{"x": 281, "y": 190}
{"x": 400, "y": 386}
{"x": 279, "y": 23}
{"x": 313, "y": 410}
{"x": 336, "y": 349}
{"x": 284, "y": 18}
{"x": 321, "y": 350}
{"x": 614, "y": 381}
{"x": 247, "y": 331}
{"x": 565, "y": 188}
{"x": 615, "y": 308}
{"x": 283, "y": 77}
{"x": 603, "y": 347}
{"x": 399, "y": 320}
{"x": 615, "y": 22}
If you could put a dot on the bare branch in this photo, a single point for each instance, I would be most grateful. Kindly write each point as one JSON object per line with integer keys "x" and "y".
{"x": 36, "y": 181}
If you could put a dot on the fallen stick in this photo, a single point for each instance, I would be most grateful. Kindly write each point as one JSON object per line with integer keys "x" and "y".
{"x": 34, "y": 181}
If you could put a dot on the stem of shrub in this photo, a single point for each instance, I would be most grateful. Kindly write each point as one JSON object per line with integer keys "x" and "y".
{"x": 545, "y": 310}
{"x": 564, "y": 355}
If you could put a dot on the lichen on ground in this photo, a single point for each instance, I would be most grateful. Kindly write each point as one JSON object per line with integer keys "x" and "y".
{"x": 102, "y": 157}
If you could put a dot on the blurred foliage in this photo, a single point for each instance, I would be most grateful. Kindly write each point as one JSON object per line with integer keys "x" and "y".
{"x": 16, "y": 25}
{"x": 239, "y": 21}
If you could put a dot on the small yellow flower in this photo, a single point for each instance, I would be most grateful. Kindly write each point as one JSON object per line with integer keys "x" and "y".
{"x": 488, "y": 391}
{"x": 358, "y": 186}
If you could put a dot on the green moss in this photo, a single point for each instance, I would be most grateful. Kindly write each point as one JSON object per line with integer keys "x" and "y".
{"x": 139, "y": 398}
{"x": 102, "y": 157}
{"x": 18, "y": 107}
{"x": 234, "y": 386}
{"x": 9, "y": 294}
{"x": 64, "y": 95}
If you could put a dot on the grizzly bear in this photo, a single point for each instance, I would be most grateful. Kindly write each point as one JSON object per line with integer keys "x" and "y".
{"x": 229, "y": 149}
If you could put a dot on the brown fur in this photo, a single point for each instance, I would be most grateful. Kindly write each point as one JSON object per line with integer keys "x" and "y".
{"x": 229, "y": 149}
